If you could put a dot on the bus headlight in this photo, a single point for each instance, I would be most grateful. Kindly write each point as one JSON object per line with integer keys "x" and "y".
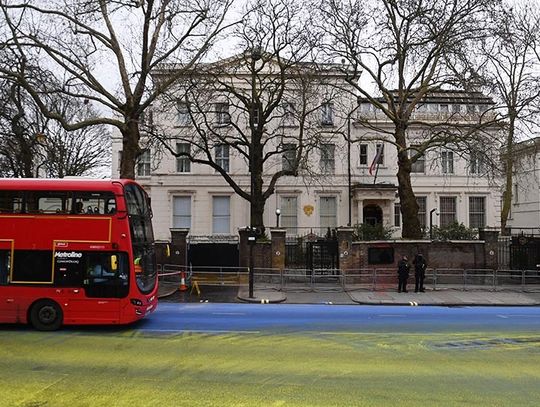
{"x": 135, "y": 301}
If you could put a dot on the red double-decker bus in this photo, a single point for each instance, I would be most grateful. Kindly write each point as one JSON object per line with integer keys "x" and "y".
{"x": 75, "y": 251}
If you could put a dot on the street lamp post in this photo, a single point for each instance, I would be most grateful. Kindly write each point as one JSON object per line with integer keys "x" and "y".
{"x": 278, "y": 212}
{"x": 349, "y": 191}
{"x": 256, "y": 54}
{"x": 252, "y": 238}
{"x": 434, "y": 210}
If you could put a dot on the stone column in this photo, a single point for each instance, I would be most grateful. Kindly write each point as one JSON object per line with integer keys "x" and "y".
{"x": 346, "y": 259}
{"x": 278, "y": 248}
{"x": 178, "y": 246}
{"x": 360, "y": 203}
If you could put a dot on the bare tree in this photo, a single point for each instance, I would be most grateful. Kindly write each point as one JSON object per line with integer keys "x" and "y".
{"x": 33, "y": 146}
{"x": 21, "y": 152}
{"x": 262, "y": 106}
{"x": 404, "y": 51}
{"x": 103, "y": 52}
{"x": 83, "y": 152}
{"x": 512, "y": 74}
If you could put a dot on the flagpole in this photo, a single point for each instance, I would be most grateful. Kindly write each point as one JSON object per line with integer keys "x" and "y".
{"x": 376, "y": 172}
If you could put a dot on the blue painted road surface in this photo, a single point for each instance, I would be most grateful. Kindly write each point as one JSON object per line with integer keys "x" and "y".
{"x": 271, "y": 318}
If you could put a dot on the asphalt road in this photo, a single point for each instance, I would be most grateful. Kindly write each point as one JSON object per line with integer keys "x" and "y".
{"x": 271, "y": 318}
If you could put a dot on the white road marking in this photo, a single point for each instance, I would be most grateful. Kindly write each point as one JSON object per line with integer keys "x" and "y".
{"x": 229, "y": 313}
{"x": 198, "y": 331}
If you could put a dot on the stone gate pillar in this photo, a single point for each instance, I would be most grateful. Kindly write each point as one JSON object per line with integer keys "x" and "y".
{"x": 178, "y": 246}
{"x": 278, "y": 248}
{"x": 346, "y": 259}
{"x": 491, "y": 248}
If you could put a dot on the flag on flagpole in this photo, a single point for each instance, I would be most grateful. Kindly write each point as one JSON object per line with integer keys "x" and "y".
{"x": 376, "y": 159}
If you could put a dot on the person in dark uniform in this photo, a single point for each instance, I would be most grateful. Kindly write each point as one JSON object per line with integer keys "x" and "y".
{"x": 403, "y": 274}
{"x": 420, "y": 266}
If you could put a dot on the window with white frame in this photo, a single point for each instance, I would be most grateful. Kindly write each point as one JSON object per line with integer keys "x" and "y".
{"x": 143, "y": 164}
{"x": 363, "y": 154}
{"x": 456, "y": 108}
{"x": 422, "y": 210}
{"x": 419, "y": 166}
{"x": 182, "y": 163}
{"x": 182, "y": 212}
{"x": 397, "y": 214}
{"x": 289, "y": 213}
{"x": 289, "y": 113}
{"x": 221, "y": 214}
{"x": 327, "y": 114}
{"x": 119, "y": 161}
{"x": 222, "y": 113}
{"x": 222, "y": 156}
{"x": 447, "y": 210}
{"x": 288, "y": 159}
{"x": 328, "y": 161}
{"x": 365, "y": 107}
{"x": 184, "y": 118}
{"x": 447, "y": 162}
{"x": 477, "y": 212}
{"x": 476, "y": 163}
{"x": 328, "y": 212}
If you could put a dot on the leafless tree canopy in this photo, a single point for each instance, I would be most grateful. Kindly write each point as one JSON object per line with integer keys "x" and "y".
{"x": 403, "y": 52}
{"x": 31, "y": 145}
{"x": 262, "y": 104}
{"x": 510, "y": 68}
{"x": 103, "y": 51}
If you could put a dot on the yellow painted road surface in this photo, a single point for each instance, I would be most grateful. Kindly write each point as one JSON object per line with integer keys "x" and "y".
{"x": 123, "y": 367}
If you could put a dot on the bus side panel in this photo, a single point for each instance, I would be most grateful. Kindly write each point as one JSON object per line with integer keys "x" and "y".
{"x": 8, "y": 305}
{"x": 92, "y": 311}
{"x": 95, "y": 229}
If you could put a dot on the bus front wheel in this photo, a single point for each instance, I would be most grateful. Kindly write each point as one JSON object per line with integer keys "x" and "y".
{"x": 46, "y": 315}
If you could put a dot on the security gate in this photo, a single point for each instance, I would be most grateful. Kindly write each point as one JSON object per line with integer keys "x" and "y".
{"x": 525, "y": 253}
{"x": 211, "y": 252}
{"x": 313, "y": 253}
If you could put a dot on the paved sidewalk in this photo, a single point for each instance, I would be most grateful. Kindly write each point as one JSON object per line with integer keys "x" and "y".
{"x": 440, "y": 297}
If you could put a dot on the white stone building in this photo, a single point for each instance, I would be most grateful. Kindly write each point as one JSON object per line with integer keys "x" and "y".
{"x": 192, "y": 195}
{"x": 525, "y": 209}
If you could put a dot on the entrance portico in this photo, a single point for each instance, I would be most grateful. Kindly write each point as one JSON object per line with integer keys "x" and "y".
{"x": 375, "y": 203}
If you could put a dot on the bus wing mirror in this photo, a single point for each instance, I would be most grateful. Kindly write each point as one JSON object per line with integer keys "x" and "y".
{"x": 114, "y": 262}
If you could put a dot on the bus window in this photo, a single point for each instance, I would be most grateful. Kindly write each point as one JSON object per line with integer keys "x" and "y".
{"x": 32, "y": 266}
{"x": 48, "y": 202}
{"x": 11, "y": 201}
{"x": 102, "y": 279}
{"x": 5, "y": 261}
{"x": 94, "y": 203}
{"x": 137, "y": 201}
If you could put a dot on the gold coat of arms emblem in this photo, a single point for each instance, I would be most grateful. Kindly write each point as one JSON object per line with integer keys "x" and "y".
{"x": 308, "y": 209}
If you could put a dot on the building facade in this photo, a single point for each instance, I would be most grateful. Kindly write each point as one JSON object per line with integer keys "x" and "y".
{"x": 347, "y": 176}
{"x": 525, "y": 209}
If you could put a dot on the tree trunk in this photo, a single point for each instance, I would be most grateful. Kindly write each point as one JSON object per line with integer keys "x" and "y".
{"x": 509, "y": 169}
{"x": 257, "y": 200}
{"x": 130, "y": 149}
{"x": 409, "y": 207}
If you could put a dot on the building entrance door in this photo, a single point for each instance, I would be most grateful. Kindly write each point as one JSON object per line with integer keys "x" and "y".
{"x": 373, "y": 215}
